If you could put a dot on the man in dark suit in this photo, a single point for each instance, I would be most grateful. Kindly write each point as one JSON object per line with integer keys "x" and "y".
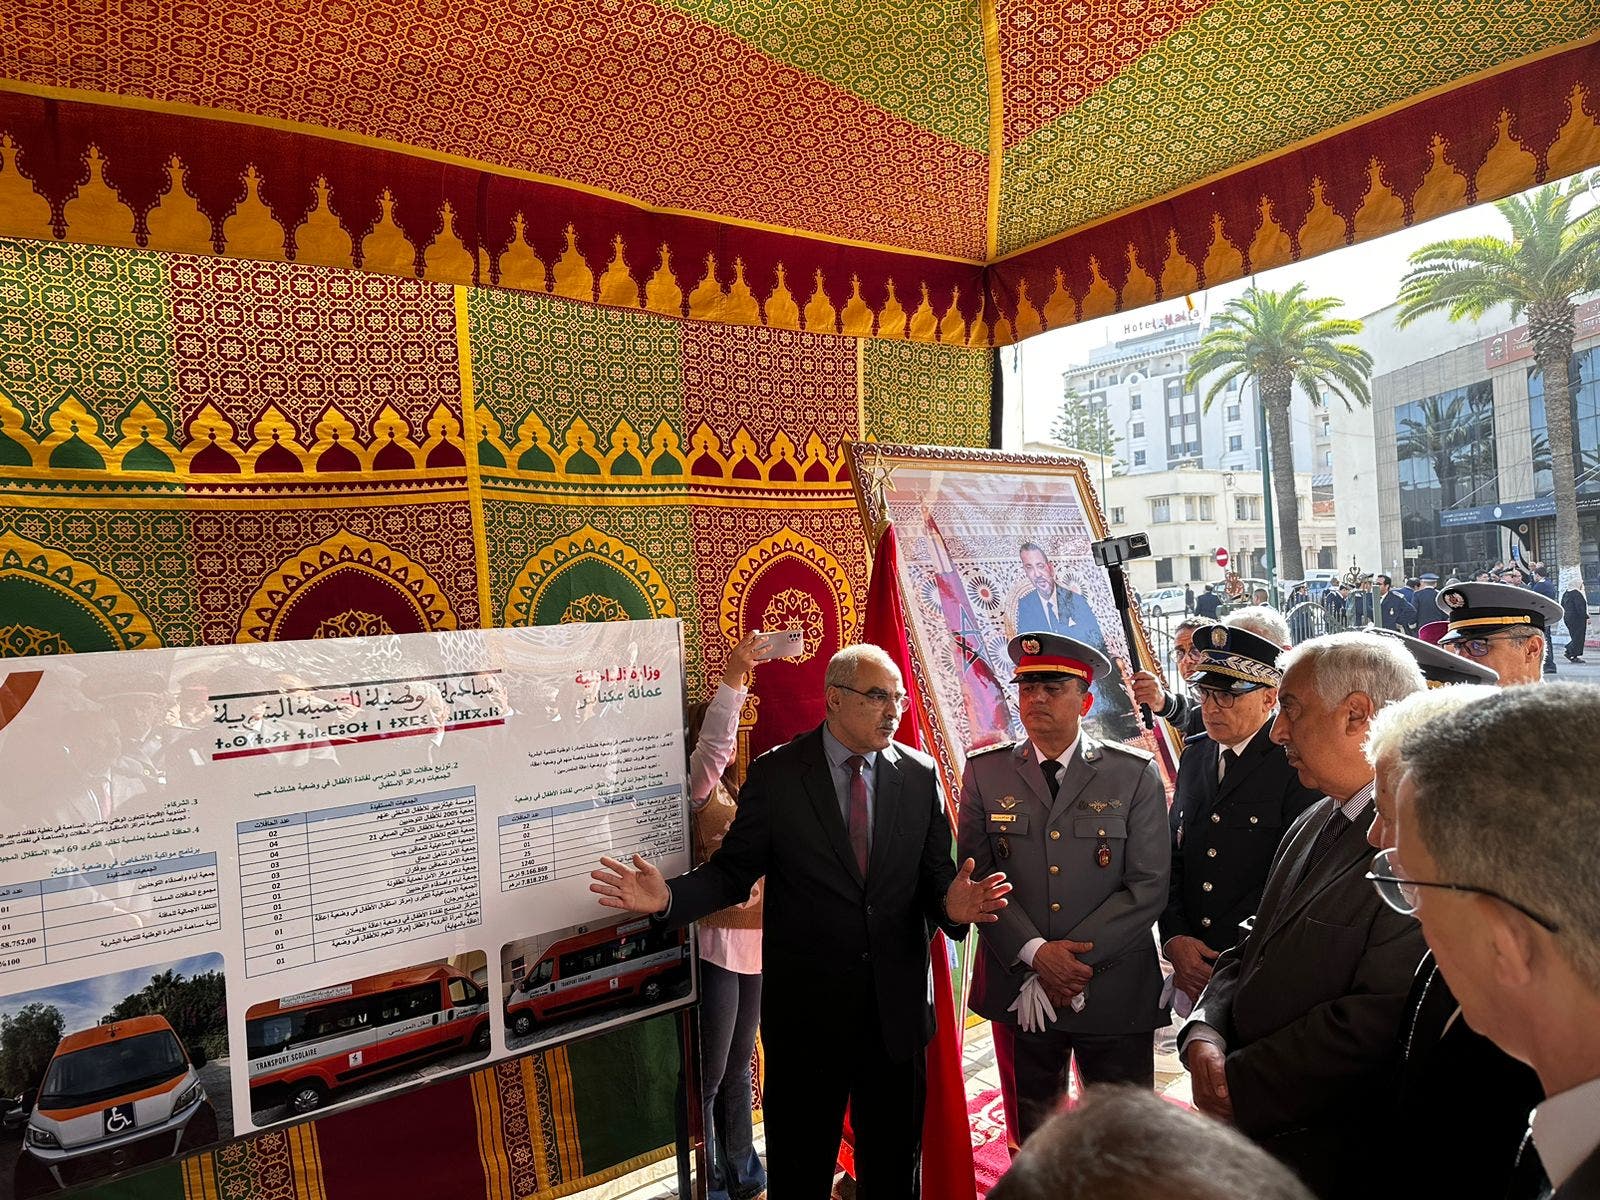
{"x": 1051, "y": 608}
{"x": 849, "y": 828}
{"x": 1293, "y": 1038}
{"x": 1507, "y": 902}
{"x": 1426, "y": 600}
{"x": 1208, "y": 604}
{"x": 1069, "y": 971}
{"x": 1236, "y": 795}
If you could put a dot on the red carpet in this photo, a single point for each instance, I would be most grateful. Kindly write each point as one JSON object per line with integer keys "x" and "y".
{"x": 990, "y": 1158}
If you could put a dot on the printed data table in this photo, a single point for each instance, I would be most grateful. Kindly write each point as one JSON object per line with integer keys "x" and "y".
{"x": 566, "y": 839}
{"x": 87, "y": 913}
{"x": 330, "y": 882}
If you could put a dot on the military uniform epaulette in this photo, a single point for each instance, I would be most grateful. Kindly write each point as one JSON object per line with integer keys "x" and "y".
{"x": 981, "y": 750}
{"x": 1092, "y": 752}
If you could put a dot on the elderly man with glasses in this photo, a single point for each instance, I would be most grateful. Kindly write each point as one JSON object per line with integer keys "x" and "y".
{"x": 1462, "y": 1101}
{"x": 1236, "y": 796}
{"x": 1079, "y": 827}
{"x": 1501, "y": 626}
{"x": 850, "y": 830}
{"x": 1293, "y": 1038}
{"x": 1506, "y": 896}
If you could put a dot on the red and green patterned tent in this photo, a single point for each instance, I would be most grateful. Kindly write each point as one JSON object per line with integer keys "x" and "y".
{"x": 321, "y": 317}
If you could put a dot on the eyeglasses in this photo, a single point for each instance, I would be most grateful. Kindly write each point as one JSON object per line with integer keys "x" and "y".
{"x": 1478, "y": 647}
{"x": 878, "y": 696}
{"x": 1402, "y": 894}
{"x": 1222, "y": 699}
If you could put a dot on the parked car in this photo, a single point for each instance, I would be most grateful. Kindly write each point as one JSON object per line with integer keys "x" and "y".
{"x": 1167, "y": 601}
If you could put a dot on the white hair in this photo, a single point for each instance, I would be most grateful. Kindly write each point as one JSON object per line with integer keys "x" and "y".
{"x": 1394, "y": 722}
{"x": 1261, "y": 621}
{"x": 844, "y": 666}
{"x": 1342, "y": 664}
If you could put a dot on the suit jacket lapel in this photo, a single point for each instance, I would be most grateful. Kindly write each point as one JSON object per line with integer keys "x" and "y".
{"x": 1032, "y": 774}
{"x": 1349, "y": 852}
{"x": 885, "y": 807}
{"x": 818, "y": 781}
{"x": 1079, "y": 774}
{"x": 1254, "y": 755}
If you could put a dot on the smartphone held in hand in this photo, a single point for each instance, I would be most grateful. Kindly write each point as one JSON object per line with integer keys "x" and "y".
{"x": 781, "y": 643}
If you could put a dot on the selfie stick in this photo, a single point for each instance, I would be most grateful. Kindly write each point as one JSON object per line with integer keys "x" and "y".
{"x": 1111, "y": 554}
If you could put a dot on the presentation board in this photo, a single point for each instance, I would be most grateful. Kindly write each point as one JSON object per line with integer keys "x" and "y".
{"x": 239, "y": 884}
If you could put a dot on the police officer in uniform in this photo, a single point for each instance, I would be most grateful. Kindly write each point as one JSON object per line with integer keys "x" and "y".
{"x": 1078, "y": 826}
{"x": 1236, "y": 796}
{"x": 1499, "y": 625}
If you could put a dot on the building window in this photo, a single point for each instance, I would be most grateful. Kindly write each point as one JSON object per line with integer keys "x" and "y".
{"x": 1175, "y": 420}
{"x": 1445, "y": 459}
{"x": 1193, "y": 448}
{"x": 1138, "y": 429}
{"x": 1585, "y": 376}
{"x": 1235, "y": 443}
{"x": 1117, "y": 517}
{"x": 1326, "y": 426}
{"x": 1205, "y": 508}
{"x": 1163, "y": 570}
{"x": 1233, "y": 412}
{"x": 1327, "y": 458}
{"x": 1161, "y": 510}
{"x": 1197, "y": 567}
{"x": 1247, "y": 508}
{"x": 1325, "y": 557}
{"x": 1138, "y": 458}
{"x": 1136, "y": 402}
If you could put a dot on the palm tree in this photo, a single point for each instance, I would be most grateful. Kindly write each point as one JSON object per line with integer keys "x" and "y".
{"x": 1552, "y": 258}
{"x": 1280, "y": 339}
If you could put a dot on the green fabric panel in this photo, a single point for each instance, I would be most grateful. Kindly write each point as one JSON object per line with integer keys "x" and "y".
{"x": 926, "y": 394}
{"x": 921, "y": 61}
{"x": 639, "y": 1062}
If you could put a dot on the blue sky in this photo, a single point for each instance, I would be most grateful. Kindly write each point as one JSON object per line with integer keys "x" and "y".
{"x": 84, "y": 1002}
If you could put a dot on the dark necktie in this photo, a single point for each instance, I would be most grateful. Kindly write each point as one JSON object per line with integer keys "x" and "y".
{"x": 1228, "y": 761}
{"x": 1052, "y": 775}
{"x": 1329, "y": 834}
{"x": 858, "y": 810}
{"x": 1528, "y": 1180}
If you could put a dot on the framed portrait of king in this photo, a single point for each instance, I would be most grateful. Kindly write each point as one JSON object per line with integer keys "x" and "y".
{"x": 992, "y": 545}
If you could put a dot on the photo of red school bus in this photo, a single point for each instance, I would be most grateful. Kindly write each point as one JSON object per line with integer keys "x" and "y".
{"x": 587, "y": 970}
{"x": 339, "y": 1041}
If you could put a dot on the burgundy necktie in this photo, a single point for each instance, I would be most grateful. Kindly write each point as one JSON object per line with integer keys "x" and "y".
{"x": 858, "y": 810}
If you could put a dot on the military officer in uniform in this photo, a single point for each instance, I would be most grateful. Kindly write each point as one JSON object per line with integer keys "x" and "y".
{"x": 1499, "y": 625}
{"x": 1079, "y": 827}
{"x": 1236, "y": 796}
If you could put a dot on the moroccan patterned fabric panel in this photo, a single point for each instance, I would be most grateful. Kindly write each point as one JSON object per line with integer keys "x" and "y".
{"x": 202, "y": 450}
{"x": 953, "y": 174}
{"x": 871, "y": 122}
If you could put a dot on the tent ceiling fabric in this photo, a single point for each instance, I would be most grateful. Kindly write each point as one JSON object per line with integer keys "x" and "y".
{"x": 850, "y": 144}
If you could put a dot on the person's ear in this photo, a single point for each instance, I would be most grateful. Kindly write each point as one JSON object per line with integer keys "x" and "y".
{"x": 1510, "y": 941}
{"x": 1088, "y": 703}
{"x": 1535, "y": 648}
{"x": 1359, "y": 710}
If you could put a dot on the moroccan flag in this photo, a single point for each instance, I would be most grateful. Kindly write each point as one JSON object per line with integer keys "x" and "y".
{"x": 947, "y": 1170}
{"x": 988, "y": 716}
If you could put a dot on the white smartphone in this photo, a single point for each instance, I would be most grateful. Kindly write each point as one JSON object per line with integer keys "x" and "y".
{"x": 781, "y": 643}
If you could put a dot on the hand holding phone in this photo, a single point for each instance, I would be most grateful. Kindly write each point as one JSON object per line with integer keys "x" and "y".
{"x": 780, "y": 643}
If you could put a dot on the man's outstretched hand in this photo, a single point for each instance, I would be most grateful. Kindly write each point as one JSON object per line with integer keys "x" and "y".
{"x": 639, "y": 889}
{"x": 972, "y": 901}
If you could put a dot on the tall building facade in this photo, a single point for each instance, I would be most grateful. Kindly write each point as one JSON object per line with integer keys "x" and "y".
{"x": 1459, "y": 452}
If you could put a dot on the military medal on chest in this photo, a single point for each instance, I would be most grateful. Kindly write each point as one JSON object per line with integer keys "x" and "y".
{"x": 1102, "y": 853}
{"x": 1002, "y": 847}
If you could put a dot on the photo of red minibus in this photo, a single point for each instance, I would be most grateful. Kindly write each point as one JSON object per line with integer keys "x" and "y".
{"x": 598, "y": 968}
{"x": 306, "y": 1047}
{"x": 116, "y": 1096}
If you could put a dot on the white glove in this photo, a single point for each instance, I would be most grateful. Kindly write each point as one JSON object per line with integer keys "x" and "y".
{"x": 1080, "y": 1000}
{"x": 1033, "y": 1008}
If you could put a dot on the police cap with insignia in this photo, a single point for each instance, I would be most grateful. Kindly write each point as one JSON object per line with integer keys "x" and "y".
{"x": 1234, "y": 660}
{"x": 1477, "y": 610}
{"x": 1043, "y": 657}
{"x": 1440, "y": 667}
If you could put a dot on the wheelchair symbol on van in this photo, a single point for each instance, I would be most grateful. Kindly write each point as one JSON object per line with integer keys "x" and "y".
{"x": 119, "y": 1118}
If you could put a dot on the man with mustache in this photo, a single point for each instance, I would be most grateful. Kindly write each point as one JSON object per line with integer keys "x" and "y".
{"x": 1293, "y": 1038}
{"x": 1069, "y": 970}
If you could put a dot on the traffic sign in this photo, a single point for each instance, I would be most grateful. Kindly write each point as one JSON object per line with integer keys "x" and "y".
{"x": 1222, "y": 557}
